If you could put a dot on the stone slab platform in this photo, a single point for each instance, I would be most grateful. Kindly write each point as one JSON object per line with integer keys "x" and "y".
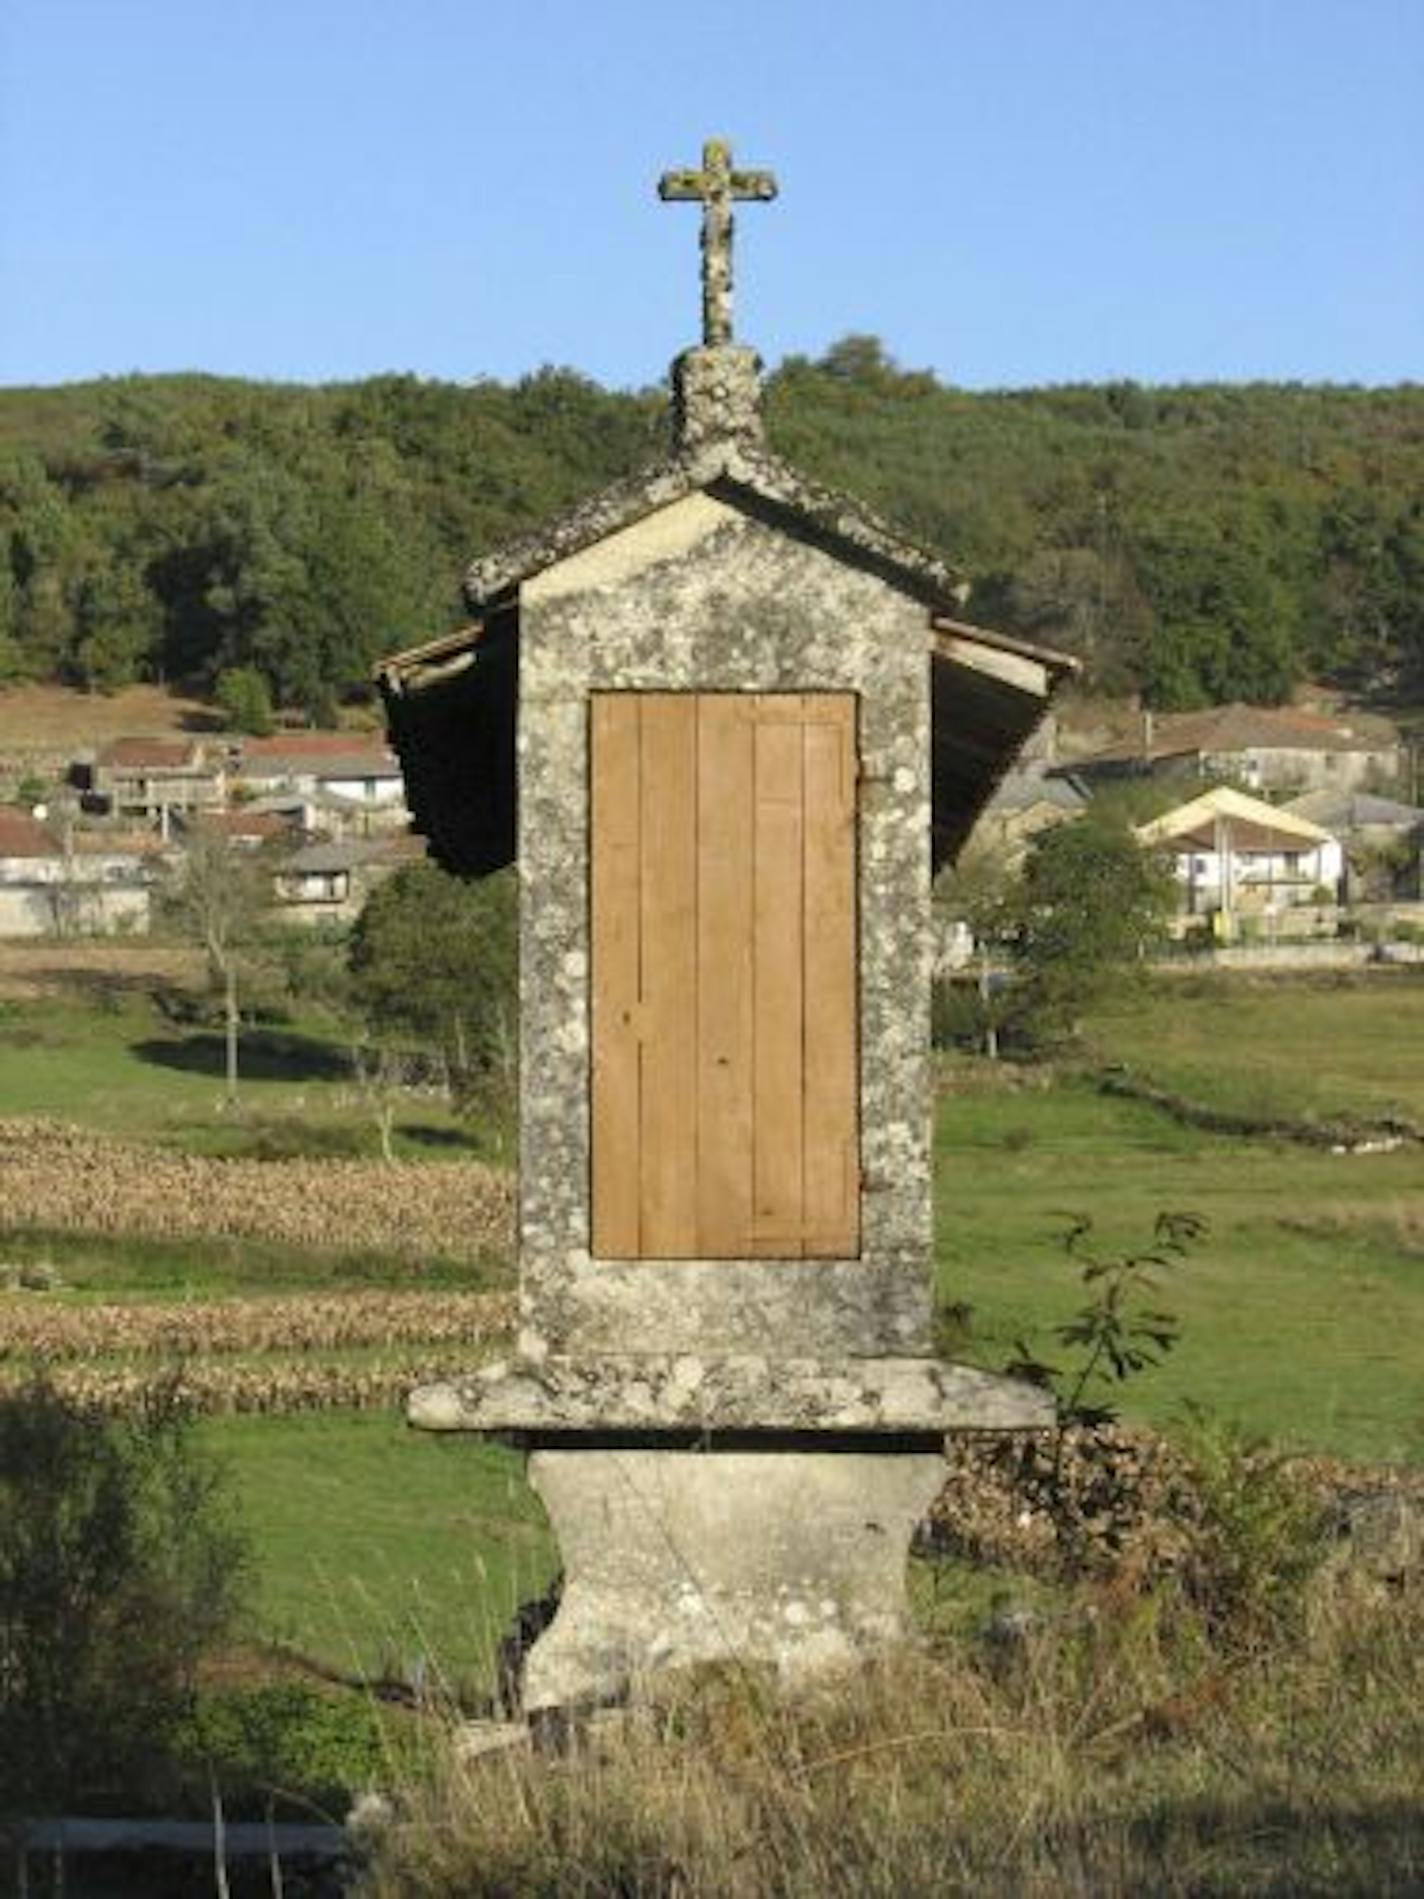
{"x": 745, "y": 1393}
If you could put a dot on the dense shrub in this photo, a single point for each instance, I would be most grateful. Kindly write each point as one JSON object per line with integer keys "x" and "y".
{"x": 120, "y": 1565}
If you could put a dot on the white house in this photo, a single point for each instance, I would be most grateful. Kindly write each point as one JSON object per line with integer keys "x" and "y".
{"x": 1235, "y": 855}
{"x": 341, "y": 769}
{"x": 1383, "y": 842}
{"x": 68, "y": 881}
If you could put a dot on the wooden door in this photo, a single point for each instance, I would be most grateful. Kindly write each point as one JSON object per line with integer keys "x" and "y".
{"x": 724, "y": 1087}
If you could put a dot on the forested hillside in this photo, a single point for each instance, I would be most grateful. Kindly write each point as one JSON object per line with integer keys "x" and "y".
{"x": 1197, "y": 543}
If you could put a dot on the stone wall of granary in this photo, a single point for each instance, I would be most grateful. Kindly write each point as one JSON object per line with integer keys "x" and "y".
{"x": 704, "y": 596}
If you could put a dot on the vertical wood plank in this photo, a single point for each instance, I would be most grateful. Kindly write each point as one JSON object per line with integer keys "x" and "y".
{"x": 726, "y": 727}
{"x": 831, "y": 1165}
{"x": 614, "y": 823}
{"x": 668, "y": 1134}
{"x": 778, "y": 997}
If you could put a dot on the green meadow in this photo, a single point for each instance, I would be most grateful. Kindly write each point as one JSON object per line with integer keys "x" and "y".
{"x": 381, "y": 1551}
{"x": 1301, "y": 1310}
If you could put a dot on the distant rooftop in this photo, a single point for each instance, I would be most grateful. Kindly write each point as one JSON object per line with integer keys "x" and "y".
{"x": 327, "y": 754}
{"x": 22, "y": 834}
{"x": 1251, "y": 824}
{"x": 1353, "y": 810}
{"x": 151, "y": 754}
{"x": 1237, "y": 728}
{"x": 314, "y": 745}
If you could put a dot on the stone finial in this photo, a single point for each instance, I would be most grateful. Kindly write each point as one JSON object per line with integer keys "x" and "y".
{"x": 716, "y": 396}
{"x": 716, "y": 185}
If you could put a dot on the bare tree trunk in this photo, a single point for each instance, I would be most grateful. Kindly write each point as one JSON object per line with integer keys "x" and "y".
{"x": 231, "y": 1025}
{"x": 462, "y": 1060}
{"x": 986, "y": 997}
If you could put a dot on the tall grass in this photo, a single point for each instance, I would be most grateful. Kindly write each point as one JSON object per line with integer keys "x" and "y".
{"x": 1112, "y": 1748}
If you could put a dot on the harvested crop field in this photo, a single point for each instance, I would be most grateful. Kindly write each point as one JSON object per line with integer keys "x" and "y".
{"x": 63, "y": 1178}
{"x": 39, "y": 1329}
{"x": 274, "y": 1387}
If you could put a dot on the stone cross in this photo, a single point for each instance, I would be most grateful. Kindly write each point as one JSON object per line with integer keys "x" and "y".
{"x": 717, "y": 185}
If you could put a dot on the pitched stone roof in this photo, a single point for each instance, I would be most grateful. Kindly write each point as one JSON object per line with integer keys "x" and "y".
{"x": 1023, "y": 791}
{"x": 450, "y": 703}
{"x": 738, "y": 471}
{"x": 330, "y": 855}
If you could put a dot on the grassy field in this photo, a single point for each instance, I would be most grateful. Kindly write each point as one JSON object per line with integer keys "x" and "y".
{"x": 112, "y": 1057}
{"x": 1307, "y": 1047}
{"x": 1302, "y": 1311}
{"x": 380, "y": 1549}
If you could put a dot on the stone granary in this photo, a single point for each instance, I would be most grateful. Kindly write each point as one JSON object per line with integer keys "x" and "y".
{"x": 725, "y": 722}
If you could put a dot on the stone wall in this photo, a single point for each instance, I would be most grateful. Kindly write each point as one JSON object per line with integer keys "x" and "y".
{"x": 702, "y": 595}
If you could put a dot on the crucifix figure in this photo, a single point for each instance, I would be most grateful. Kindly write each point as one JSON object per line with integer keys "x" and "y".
{"x": 717, "y": 185}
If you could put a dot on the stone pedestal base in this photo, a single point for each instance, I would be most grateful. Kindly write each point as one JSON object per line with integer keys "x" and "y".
{"x": 790, "y": 1557}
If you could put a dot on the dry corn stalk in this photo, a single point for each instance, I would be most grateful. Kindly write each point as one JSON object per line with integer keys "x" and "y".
{"x": 54, "y": 1175}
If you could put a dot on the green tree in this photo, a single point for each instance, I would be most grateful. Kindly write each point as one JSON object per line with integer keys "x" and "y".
{"x": 1092, "y": 902}
{"x": 245, "y": 700}
{"x": 433, "y": 963}
{"x": 981, "y": 892}
{"x": 221, "y": 900}
{"x": 1196, "y": 542}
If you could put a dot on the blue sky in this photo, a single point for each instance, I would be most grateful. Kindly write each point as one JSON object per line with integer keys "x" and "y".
{"x": 1033, "y": 191}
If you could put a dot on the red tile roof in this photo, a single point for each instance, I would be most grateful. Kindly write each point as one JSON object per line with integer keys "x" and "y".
{"x": 316, "y": 745}
{"x": 117, "y": 844}
{"x": 244, "y": 823}
{"x": 22, "y": 835}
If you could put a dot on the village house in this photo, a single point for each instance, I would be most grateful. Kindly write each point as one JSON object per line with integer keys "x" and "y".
{"x": 353, "y": 779}
{"x": 246, "y": 827}
{"x": 1383, "y": 841}
{"x": 328, "y": 881}
{"x": 57, "y": 879}
{"x": 1237, "y": 858}
{"x": 1260, "y": 748}
{"x": 151, "y": 779}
